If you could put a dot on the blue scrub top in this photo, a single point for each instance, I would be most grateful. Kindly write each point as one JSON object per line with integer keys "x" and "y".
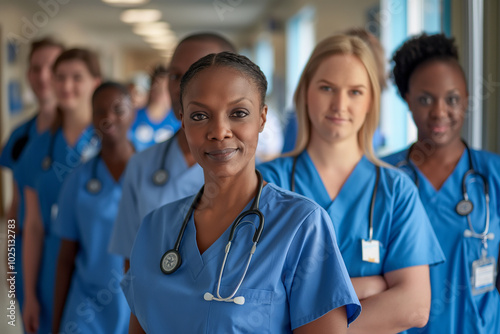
{"x": 95, "y": 302}
{"x": 454, "y": 309}
{"x": 27, "y": 129}
{"x": 145, "y": 133}
{"x": 141, "y": 195}
{"x": 399, "y": 220}
{"x": 296, "y": 274}
{"x": 47, "y": 184}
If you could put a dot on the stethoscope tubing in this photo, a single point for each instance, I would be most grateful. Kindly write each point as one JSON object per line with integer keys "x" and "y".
{"x": 471, "y": 171}
{"x": 254, "y": 210}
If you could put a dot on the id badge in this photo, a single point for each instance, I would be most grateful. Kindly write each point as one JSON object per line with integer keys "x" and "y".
{"x": 484, "y": 274}
{"x": 370, "y": 250}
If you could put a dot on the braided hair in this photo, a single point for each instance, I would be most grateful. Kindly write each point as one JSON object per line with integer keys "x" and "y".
{"x": 232, "y": 60}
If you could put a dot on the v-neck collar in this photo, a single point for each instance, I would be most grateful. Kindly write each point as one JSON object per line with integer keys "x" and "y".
{"x": 196, "y": 261}
{"x": 104, "y": 170}
{"x": 359, "y": 175}
{"x": 451, "y": 181}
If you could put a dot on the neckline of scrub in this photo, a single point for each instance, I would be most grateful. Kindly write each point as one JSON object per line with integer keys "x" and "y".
{"x": 344, "y": 193}
{"x": 198, "y": 261}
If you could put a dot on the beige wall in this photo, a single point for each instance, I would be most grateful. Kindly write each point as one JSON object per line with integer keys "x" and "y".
{"x": 331, "y": 17}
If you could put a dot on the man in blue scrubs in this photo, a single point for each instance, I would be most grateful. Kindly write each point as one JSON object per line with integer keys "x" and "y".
{"x": 42, "y": 56}
{"x": 156, "y": 122}
{"x": 167, "y": 171}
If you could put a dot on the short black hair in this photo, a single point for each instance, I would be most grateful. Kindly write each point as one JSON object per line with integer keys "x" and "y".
{"x": 158, "y": 71}
{"x": 111, "y": 84}
{"x": 417, "y": 51}
{"x": 231, "y": 60}
{"x": 222, "y": 42}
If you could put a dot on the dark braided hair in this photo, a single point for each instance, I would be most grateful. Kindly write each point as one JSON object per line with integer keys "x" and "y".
{"x": 232, "y": 60}
{"x": 417, "y": 51}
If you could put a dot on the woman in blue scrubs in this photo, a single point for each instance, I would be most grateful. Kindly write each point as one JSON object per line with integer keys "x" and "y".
{"x": 167, "y": 171}
{"x": 295, "y": 281}
{"x": 76, "y": 75}
{"x": 43, "y": 53}
{"x": 430, "y": 79}
{"x": 84, "y": 301}
{"x": 384, "y": 235}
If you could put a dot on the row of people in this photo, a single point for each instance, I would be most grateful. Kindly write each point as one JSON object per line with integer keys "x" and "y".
{"x": 295, "y": 278}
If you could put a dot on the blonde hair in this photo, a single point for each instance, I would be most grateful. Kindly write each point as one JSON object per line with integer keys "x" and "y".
{"x": 339, "y": 45}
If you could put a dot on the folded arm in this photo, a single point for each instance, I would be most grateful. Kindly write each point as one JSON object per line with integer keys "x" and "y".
{"x": 405, "y": 304}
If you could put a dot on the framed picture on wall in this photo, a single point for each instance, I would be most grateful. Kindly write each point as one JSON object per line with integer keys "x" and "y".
{"x": 14, "y": 97}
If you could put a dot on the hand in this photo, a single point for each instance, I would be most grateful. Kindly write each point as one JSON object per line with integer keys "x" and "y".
{"x": 31, "y": 315}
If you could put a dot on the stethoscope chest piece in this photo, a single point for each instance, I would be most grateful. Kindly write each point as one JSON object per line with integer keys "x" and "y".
{"x": 94, "y": 186}
{"x": 464, "y": 207}
{"x": 46, "y": 162}
{"x": 170, "y": 261}
{"x": 160, "y": 177}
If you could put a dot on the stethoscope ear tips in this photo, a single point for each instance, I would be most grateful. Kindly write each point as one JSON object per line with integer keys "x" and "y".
{"x": 237, "y": 300}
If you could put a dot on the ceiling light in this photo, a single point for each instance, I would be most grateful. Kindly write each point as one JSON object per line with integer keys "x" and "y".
{"x": 140, "y": 15}
{"x": 125, "y": 2}
{"x": 151, "y": 29}
{"x": 165, "y": 39}
{"x": 160, "y": 46}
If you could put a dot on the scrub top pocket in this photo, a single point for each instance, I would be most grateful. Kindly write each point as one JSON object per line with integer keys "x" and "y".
{"x": 252, "y": 317}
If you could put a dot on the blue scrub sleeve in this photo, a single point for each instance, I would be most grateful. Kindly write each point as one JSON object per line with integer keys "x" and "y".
{"x": 412, "y": 241}
{"x": 127, "y": 220}
{"x": 66, "y": 224}
{"x": 316, "y": 279}
{"x": 276, "y": 171}
{"x": 128, "y": 279}
{"x": 128, "y": 291}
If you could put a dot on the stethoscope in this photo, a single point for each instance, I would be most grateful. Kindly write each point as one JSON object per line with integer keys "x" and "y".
{"x": 48, "y": 159}
{"x": 464, "y": 206}
{"x": 160, "y": 176}
{"x": 94, "y": 185}
{"x": 171, "y": 260}
{"x": 372, "y": 204}
{"x": 21, "y": 142}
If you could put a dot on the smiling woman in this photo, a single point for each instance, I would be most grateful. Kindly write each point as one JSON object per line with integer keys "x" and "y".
{"x": 234, "y": 133}
{"x": 378, "y": 217}
{"x": 459, "y": 186}
{"x": 256, "y": 283}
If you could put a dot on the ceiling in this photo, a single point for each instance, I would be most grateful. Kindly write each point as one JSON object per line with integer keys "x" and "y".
{"x": 229, "y": 17}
